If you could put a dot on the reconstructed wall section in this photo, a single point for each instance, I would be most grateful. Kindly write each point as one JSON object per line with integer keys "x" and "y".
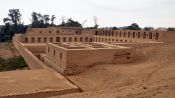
{"x": 60, "y": 57}
{"x": 58, "y": 34}
{"x": 32, "y": 61}
{"x": 65, "y": 56}
{"x": 169, "y": 37}
{"x": 33, "y": 81}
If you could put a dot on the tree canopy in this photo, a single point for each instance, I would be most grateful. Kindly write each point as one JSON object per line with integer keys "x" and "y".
{"x": 71, "y": 23}
{"x": 171, "y": 29}
{"x": 40, "y": 21}
{"x": 12, "y": 25}
{"x": 14, "y": 17}
{"x": 133, "y": 26}
{"x": 52, "y": 20}
{"x": 148, "y": 28}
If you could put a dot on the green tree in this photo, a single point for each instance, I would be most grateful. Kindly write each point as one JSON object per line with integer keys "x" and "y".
{"x": 46, "y": 19}
{"x": 39, "y": 20}
{"x": 114, "y": 28}
{"x": 133, "y": 26}
{"x": 34, "y": 16}
{"x": 171, "y": 29}
{"x": 14, "y": 17}
{"x": 13, "y": 24}
{"x": 148, "y": 28}
{"x": 71, "y": 23}
{"x": 52, "y": 20}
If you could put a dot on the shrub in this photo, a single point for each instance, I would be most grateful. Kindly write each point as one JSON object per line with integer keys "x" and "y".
{"x": 12, "y": 63}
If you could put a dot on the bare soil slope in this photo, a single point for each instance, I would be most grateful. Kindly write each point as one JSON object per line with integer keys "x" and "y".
{"x": 152, "y": 75}
{"x": 7, "y": 50}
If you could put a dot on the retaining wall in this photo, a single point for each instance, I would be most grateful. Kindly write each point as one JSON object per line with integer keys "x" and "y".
{"x": 32, "y": 61}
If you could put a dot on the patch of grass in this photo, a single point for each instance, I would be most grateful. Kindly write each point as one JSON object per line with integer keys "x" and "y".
{"x": 12, "y": 63}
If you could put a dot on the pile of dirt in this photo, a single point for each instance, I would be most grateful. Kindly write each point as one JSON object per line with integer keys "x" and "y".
{"x": 151, "y": 75}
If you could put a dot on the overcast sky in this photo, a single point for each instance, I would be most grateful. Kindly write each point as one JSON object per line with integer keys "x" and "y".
{"x": 156, "y": 13}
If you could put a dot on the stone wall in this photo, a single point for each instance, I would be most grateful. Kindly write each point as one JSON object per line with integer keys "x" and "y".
{"x": 44, "y": 35}
{"x": 169, "y": 37}
{"x": 57, "y": 55}
{"x": 91, "y": 57}
{"x": 63, "y": 57}
{"x": 125, "y": 36}
{"x": 32, "y": 61}
{"x": 57, "y": 38}
{"x": 36, "y": 48}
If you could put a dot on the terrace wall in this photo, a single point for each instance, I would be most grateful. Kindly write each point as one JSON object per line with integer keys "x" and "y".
{"x": 36, "y": 48}
{"x": 57, "y": 55}
{"x": 125, "y": 36}
{"x": 44, "y": 35}
{"x": 169, "y": 37}
{"x": 84, "y": 58}
{"x": 16, "y": 39}
{"x": 32, "y": 61}
{"x": 57, "y": 38}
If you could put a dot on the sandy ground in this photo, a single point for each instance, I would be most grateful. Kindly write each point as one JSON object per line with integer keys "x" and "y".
{"x": 31, "y": 83}
{"x": 152, "y": 75}
{"x": 38, "y": 83}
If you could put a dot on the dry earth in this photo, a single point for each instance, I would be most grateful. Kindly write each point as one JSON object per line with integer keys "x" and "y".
{"x": 7, "y": 51}
{"x": 152, "y": 75}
